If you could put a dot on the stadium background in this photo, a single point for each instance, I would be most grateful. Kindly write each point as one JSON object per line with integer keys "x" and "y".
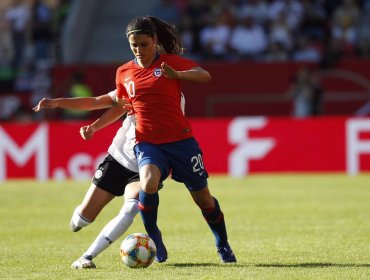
{"x": 248, "y": 105}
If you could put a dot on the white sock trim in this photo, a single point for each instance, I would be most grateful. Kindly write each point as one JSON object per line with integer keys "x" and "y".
{"x": 78, "y": 219}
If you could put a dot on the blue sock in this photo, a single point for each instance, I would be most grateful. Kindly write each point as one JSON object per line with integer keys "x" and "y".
{"x": 215, "y": 219}
{"x": 148, "y": 206}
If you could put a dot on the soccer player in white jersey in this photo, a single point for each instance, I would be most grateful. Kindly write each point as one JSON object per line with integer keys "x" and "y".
{"x": 117, "y": 174}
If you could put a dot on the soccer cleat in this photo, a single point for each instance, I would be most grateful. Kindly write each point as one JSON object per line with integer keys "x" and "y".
{"x": 226, "y": 254}
{"x": 161, "y": 255}
{"x": 83, "y": 263}
{"x": 74, "y": 227}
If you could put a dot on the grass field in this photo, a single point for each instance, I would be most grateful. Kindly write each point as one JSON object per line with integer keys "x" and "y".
{"x": 280, "y": 227}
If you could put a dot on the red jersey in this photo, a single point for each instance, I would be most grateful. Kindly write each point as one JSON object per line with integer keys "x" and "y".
{"x": 155, "y": 99}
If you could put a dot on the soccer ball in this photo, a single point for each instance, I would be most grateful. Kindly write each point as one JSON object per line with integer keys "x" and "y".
{"x": 138, "y": 250}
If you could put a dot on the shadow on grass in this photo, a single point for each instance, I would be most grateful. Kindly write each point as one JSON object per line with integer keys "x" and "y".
{"x": 314, "y": 265}
{"x": 202, "y": 264}
{"x": 295, "y": 265}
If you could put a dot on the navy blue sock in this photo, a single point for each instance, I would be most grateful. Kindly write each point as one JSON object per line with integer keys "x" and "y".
{"x": 215, "y": 219}
{"x": 148, "y": 206}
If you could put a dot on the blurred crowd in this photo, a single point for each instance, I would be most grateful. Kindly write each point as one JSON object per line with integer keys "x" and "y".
{"x": 317, "y": 31}
{"x": 271, "y": 30}
{"x": 30, "y": 35}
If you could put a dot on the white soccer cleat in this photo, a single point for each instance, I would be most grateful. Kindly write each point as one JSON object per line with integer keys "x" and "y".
{"x": 83, "y": 263}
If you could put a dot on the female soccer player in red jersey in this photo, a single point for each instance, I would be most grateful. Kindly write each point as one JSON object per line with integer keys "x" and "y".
{"x": 165, "y": 143}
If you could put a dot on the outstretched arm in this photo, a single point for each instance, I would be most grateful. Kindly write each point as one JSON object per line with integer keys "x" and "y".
{"x": 196, "y": 74}
{"x": 110, "y": 116}
{"x": 77, "y": 103}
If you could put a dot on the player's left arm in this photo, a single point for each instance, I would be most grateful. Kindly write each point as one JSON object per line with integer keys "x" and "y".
{"x": 76, "y": 103}
{"x": 195, "y": 74}
{"x": 109, "y": 117}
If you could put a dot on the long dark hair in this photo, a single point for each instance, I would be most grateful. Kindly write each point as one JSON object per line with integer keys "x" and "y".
{"x": 168, "y": 38}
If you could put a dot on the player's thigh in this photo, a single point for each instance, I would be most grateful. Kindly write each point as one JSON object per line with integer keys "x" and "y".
{"x": 151, "y": 159}
{"x": 94, "y": 201}
{"x": 187, "y": 164}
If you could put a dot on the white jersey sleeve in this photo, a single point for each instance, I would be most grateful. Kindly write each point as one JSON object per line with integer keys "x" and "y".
{"x": 122, "y": 147}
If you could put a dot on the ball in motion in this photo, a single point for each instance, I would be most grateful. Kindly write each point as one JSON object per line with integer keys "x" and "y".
{"x": 138, "y": 250}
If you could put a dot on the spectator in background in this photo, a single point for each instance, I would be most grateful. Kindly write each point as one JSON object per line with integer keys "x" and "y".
{"x": 280, "y": 31}
{"x": 363, "y": 48}
{"x": 23, "y": 80}
{"x": 41, "y": 30}
{"x": 314, "y": 21}
{"x": 248, "y": 39}
{"x": 168, "y": 11}
{"x": 41, "y": 84}
{"x": 61, "y": 11}
{"x": 9, "y": 106}
{"x": 215, "y": 37}
{"x": 6, "y": 55}
{"x": 306, "y": 93}
{"x": 275, "y": 53}
{"x": 187, "y": 36}
{"x": 6, "y": 50}
{"x": 257, "y": 9}
{"x": 196, "y": 11}
{"x": 343, "y": 26}
{"x": 306, "y": 51}
{"x": 77, "y": 89}
{"x": 18, "y": 16}
{"x": 292, "y": 9}
{"x": 363, "y": 35}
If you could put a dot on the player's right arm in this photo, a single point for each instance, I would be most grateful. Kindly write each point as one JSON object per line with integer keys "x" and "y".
{"x": 109, "y": 117}
{"x": 77, "y": 103}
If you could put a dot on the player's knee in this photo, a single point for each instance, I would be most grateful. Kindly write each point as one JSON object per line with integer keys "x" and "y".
{"x": 150, "y": 176}
{"x": 149, "y": 186}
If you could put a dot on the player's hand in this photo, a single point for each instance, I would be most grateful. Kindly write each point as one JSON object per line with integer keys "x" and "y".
{"x": 125, "y": 105}
{"x": 169, "y": 72}
{"x": 44, "y": 103}
{"x": 128, "y": 107}
{"x": 87, "y": 132}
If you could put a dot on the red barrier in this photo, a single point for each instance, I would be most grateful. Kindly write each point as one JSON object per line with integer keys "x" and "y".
{"x": 237, "y": 147}
{"x": 250, "y": 89}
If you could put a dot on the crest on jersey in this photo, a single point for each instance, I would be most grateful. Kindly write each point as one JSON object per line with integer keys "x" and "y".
{"x": 157, "y": 72}
{"x": 98, "y": 173}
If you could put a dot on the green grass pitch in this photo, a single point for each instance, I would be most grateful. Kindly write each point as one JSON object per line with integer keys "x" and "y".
{"x": 287, "y": 226}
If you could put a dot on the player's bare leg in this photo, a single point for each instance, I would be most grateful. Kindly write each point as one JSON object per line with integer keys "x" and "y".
{"x": 114, "y": 229}
{"x": 94, "y": 201}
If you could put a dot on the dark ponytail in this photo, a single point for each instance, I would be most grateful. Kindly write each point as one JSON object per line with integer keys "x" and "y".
{"x": 168, "y": 38}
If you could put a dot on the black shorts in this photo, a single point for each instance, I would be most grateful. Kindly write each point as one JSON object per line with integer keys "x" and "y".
{"x": 112, "y": 177}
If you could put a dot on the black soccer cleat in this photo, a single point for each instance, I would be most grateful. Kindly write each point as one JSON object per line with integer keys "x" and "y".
{"x": 161, "y": 255}
{"x": 226, "y": 254}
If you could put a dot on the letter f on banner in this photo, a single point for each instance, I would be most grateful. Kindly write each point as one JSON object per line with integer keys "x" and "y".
{"x": 247, "y": 148}
{"x": 355, "y": 145}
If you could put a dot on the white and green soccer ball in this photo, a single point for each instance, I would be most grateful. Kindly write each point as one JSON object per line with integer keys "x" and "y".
{"x": 138, "y": 250}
